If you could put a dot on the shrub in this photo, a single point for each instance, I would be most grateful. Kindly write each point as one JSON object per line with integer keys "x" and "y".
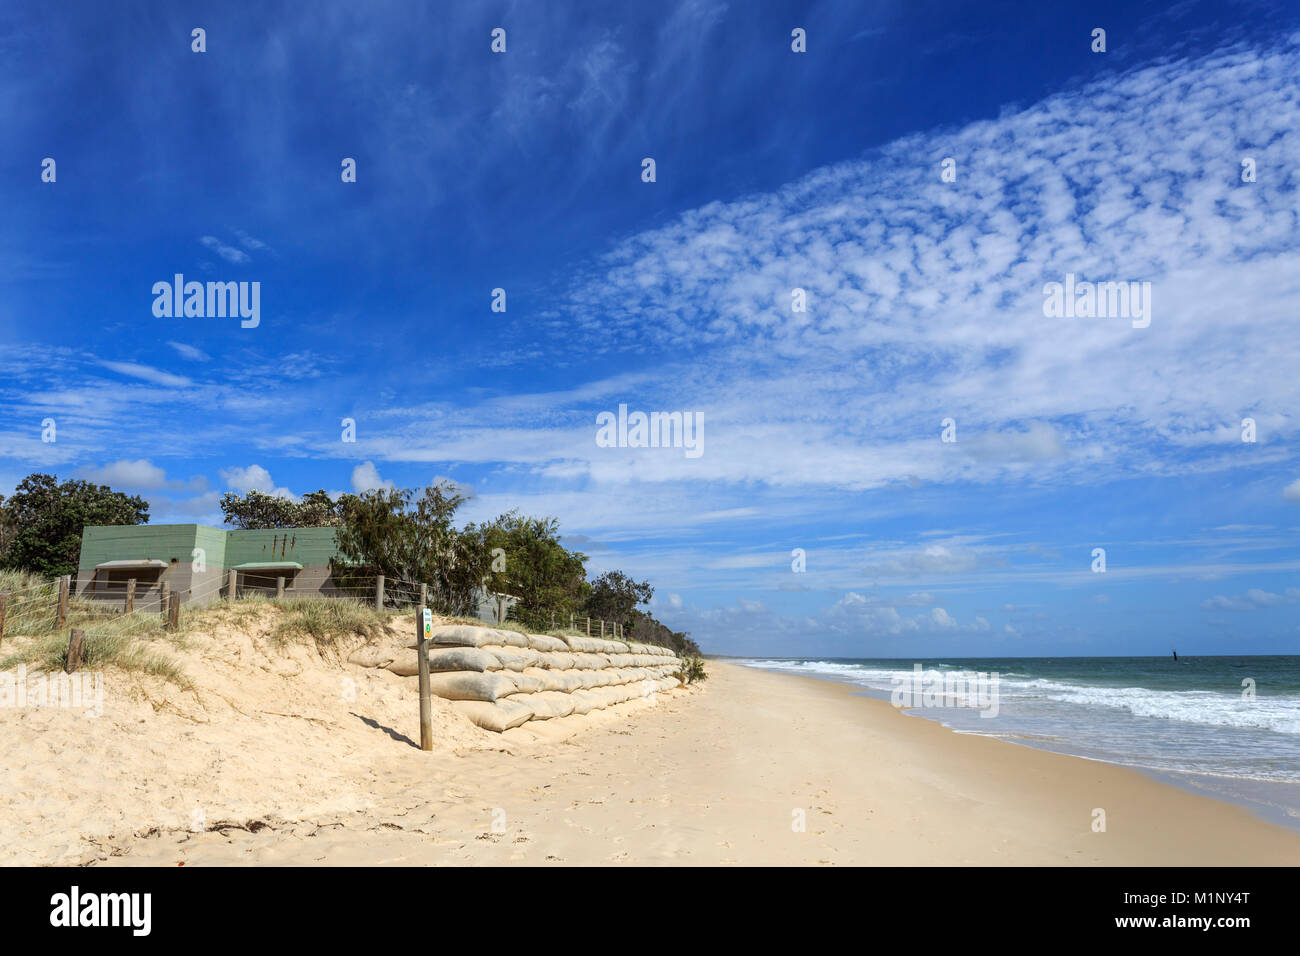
{"x": 692, "y": 670}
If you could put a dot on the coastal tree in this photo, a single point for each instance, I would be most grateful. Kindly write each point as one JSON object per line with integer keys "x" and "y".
{"x": 614, "y": 596}
{"x": 390, "y": 531}
{"x": 43, "y": 520}
{"x": 257, "y": 509}
{"x": 548, "y": 580}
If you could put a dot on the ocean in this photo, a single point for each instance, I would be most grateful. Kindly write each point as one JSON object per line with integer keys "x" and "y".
{"x": 1225, "y": 726}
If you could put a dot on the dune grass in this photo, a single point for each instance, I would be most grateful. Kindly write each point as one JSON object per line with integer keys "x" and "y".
{"x": 324, "y": 621}
{"x": 123, "y": 644}
{"x": 112, "y": 639}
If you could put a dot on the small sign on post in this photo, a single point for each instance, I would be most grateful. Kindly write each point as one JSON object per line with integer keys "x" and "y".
{"x": 423, "y": 633}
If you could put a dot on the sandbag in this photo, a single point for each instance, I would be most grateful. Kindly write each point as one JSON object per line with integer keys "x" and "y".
{"x": 526, "y": 684}
{"x": 544, "y": 642}
{"x": 372, "y": 655}
{"x": 461, "y": 659}
{"x": 497, "y": 717}
{"x": 587, "y": 645}
{"x": 601, "y": 645}
{"x": 513, "y": 658}
{"x": 444, "y": 659}
{"x": 549, "y": 679}
{"x": 538, "y": 706}
{"x": 472, "y": 685}
{"x": 469, "y": 635}
{"x": 561, "y": 704}
{"x": 568, "y": 681}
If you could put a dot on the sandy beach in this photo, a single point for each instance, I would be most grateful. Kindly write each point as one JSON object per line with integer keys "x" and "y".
{"x": 277, "y": 766}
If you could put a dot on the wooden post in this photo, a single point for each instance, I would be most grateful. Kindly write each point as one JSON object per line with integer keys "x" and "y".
{"x": 589, "y": 627}
{"x": 174, "y": 611}
{"x": 76, "y": 641}
{"x": 4, "y": 598}
{"x": 424, "y": 595}
{"x": 602, "y": 627}
{"x": 279, "y": 589}
{"x": 571, "y": 627}
{"x": 129, "y": 606}
{"x": 379, "y": 591}
{"x": 232, "y": 585}
{"x": 426, "y": 706}
{"x": 62, "y": 614}
{"x": 163, "y": 592}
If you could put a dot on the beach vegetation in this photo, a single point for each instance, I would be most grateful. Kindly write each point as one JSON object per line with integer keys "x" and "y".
{"x": 42, "y": 521}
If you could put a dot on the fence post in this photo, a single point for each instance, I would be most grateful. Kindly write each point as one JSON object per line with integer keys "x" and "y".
{"x": 76, "y": 641}
{"x": 571, "y": 627}
{"x": 379, "y": 591}
{"x": 174, "y": 611}
{"x": 422, "y": 652}
{"x": 602, "y": 627}
{"x": 62, "y": 614}
{"x": 232, "y": 585}
{"x": 589, "y": 627}
{"x": 424, "y": 595}
{"x": 279, "y": 589}
{"x": 164, "y": 590}
{"x": 4, "y": 599}
{"x": 130, "y": 597}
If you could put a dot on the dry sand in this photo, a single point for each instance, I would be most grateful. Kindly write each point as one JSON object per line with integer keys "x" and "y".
{"x": 285, "y": 758}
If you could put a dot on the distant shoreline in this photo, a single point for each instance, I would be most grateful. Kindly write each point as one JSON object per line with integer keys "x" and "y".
{"x": 1275, "y": 802}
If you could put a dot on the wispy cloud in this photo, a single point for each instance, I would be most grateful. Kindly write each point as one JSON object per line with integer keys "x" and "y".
{"x": 147, "y": 373}
{"x": 229, "y": 253}
{"x": 191, "y": 352}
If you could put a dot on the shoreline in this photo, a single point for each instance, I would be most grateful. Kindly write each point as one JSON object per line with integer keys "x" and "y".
{"x": 1147, "y": 785}
{"x": 1272, "y": 801}
{"x": 748, "y": 768}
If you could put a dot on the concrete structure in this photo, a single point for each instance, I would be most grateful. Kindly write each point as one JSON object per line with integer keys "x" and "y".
{"x": 196, "y": 560}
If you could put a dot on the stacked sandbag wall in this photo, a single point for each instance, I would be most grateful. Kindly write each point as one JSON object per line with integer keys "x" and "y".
{"x": 501, "y": 679}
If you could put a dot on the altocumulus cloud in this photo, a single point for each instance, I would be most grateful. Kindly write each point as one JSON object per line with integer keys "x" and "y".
{"x": 925, "y": 298}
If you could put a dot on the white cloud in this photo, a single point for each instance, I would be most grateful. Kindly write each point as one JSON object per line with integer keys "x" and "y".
{"x": 190, "y": 352}
{"x": 365, "y": 477}
{"x": 1253, "y": 600}
{"x": 140, "y": 474}
{"x": 253, "y": 478}
{"x": 1292, "y": 491}
{"x": 129, "y": 474}
{"x": 147, "y": 373}
{"x": 229, "y": 253}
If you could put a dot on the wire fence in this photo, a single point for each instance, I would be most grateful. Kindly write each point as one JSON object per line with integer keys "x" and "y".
{"x": 115, "y": 606}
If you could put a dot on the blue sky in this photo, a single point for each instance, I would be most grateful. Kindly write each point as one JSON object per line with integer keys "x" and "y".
{"x": 775, "y": 170}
